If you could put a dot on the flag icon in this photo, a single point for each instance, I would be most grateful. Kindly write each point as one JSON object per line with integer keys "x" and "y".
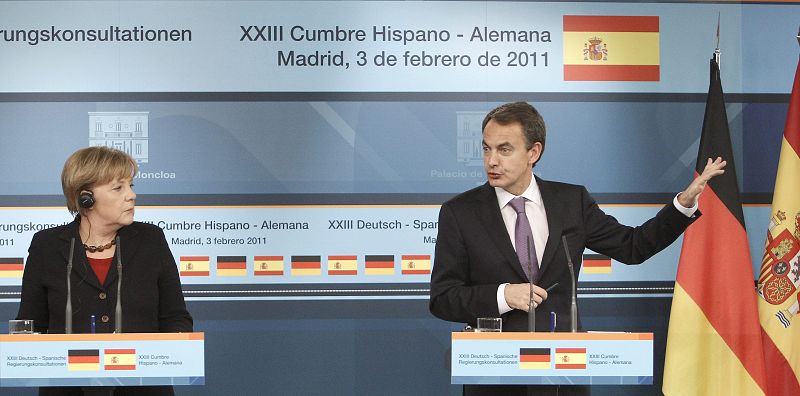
{"x": 194, "y": 266}
{"x": 534, "y": 358}
{"x": 596, "y": 264}
{"x": 611, "y": 48}
{"x": 342, "y": 265}
{"x": 119, "y": 359}
{"x": 415, "y": 265}
{"x": 571, "y": 358}
{"x": 379, "y": 264}
{"x": 83, "y": 359}
{"x": 231, "y": 266}
{"x": 306, "y": 266}
{"x": 11, "y": 267}
{"x": 268, "y": 265}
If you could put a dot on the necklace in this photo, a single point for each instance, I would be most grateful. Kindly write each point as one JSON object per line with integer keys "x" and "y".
{"x": 92, "y": 248}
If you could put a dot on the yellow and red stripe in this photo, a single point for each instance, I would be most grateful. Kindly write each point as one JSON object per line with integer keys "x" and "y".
{"x": 119, "y": 359}
{"x": 194, "y": 266}
{"x": 11, "y": 267}
{"x": 570, "y": 358}
{"x": 342, "y": 265}
{"x": 419, "y": 264}
{"x": 268, "y": 265}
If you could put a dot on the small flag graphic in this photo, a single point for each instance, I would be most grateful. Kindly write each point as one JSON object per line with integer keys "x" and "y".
{"x": 11, "y": 267}
{"x": 570, "y": 358}
{"x": 268, "y": 265}
{"x": 611, "y": 48}
{"x": 415, "y": 265}
{"x": 119, "y": 359}
{"x": 306, "y": 266}
{"x": 596, "y": 264}
{"x": 194, "y": 266}
{"x": 379, "y": 265}
{"x": 342, "y": 265}
{"x": 231, "y": 266}
{"x": 83, "y": 359}
{"x": 534, "y": 358}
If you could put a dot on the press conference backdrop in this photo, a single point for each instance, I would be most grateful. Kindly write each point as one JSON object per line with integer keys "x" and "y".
{"x": 296, "y": 154}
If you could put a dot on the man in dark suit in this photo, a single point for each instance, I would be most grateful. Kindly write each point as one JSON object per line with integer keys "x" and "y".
{"x": 481, "y": 266}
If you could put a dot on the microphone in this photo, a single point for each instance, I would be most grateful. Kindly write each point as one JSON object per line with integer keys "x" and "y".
{"x": 573, "y": 308}
{"x": 68, "y": 308}
{"x": 531, "y": 306}
{"x": 118, "y": 311}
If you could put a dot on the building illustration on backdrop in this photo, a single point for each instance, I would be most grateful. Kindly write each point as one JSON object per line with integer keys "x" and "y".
{"x": 470, "y": 137}
{"x": 126, "y": 131}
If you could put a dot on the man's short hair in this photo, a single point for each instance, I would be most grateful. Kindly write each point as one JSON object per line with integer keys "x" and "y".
{"x": 533, "y": 127}
{"x": 92, "y": 166}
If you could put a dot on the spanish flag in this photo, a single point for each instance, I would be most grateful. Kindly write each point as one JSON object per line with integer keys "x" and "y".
{"x": 231, "y": 266}
{"x": 534, "y": 358}
{"x": 194, "y": 266}
{"x": 779, "y": 279}
{"x": 342, "y": 265}
{"x": 11, "y": 267}
{"x": 611, "y": 48}
{"x": 571, "y": 358}
{"x": 306, "y": 266}
{"x": 415, "y": 265}
{"x": 379, "y": 264}
{"x": 596, "y": 264}
{"x": 83, "y": 359}
{"x": 119, "y": 359}
{"x": 268, "y": 265}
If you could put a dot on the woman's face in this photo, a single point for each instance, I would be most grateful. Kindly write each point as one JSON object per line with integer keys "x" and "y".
{"x": 113, "y": 203}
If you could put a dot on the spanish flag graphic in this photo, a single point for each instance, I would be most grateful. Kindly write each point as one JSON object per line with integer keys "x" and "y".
{"x": 83, "y": 360}
{"x": 534, "y": 358}
{"x": 571, "y": 358}
{"x": 268, "y": 265}
{"x": 231, "y": 266}
{"x": 194, "y": 266}
{"x": 11, "y": 267}
{"x": 306, "y": 266}
{"x": 611, "y": 48}
{"x": 596, "y": 264}
{"x": 415, "y": 265}
{"x": 379, "y": 264}
{"x": 119, "y": 359}
{"x": 342, "y": 265}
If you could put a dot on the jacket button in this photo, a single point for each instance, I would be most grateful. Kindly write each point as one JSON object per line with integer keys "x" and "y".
{"x": 102, "y": 296}
{"x": 104, "y": 318}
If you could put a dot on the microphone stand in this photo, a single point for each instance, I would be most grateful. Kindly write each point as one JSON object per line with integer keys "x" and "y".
{"x": 573, "y": 308}
{"x": 531, "y": 306}
{"x": 68, "y": 308}
{"x": 118, "y": 310}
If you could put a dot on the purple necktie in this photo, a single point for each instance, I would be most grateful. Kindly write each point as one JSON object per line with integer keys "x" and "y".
{"x": 523, "y": 234}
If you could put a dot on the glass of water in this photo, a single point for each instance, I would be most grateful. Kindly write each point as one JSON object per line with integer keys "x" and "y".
{"x": 23, "y": 326}
{"x": 490, "y": 325}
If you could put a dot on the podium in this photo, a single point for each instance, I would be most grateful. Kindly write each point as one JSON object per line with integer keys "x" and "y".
{"x": 552, "y": 358}
{"x": 127, "y": 359}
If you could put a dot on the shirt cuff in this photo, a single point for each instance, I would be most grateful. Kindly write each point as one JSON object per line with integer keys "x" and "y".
{"x": 502, "y": 306}
{"x": 688, "y": 212}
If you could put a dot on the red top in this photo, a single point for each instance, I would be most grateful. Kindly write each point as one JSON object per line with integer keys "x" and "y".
{"x": 101, "y": 267}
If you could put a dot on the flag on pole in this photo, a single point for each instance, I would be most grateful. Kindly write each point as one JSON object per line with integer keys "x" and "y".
{"x": 779, "y": 277}
{"x": 714, "y": 340}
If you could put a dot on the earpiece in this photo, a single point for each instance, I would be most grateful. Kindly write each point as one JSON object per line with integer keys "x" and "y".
{"x": 86, "y": 199}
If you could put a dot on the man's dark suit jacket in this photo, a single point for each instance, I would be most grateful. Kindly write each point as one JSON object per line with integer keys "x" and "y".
{"x": 152, "y": 300}
{"x": 474, "y": 254}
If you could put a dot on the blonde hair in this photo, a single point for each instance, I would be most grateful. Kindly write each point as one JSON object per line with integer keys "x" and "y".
{"x": 91, "y": 166}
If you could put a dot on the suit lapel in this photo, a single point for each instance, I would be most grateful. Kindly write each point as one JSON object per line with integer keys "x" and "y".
{"x": 489, "y": 214}
{"x": 80, "y": 266}
{"x": 555, "y": 215}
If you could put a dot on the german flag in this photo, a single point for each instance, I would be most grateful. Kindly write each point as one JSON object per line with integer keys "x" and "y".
{"x": 83, "y": 359}
{"x": 571, "y": 358}
{"x": 596, "y": 264}
{"x": 379, "y": 264}
{"x": 194, "y": 266}
{"x": 231, "y": 266}
{"x": 11, "y": 267}
{"x": 415, "y": 265}
{"x": 268, "y": 265}
{"x": 306, "y": 266}
{"x": 119, "y": 359}
{"x": 534, "y": 358}
{"x": 342, "y": 265}
{"x": 611, "y": 48}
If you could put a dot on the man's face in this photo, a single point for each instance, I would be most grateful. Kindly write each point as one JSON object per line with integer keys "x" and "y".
{"x": 505, "y": 157}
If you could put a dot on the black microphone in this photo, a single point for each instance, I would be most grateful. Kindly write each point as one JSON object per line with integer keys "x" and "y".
{"x": 531, "y": 306}
{"x": 573, "y": 308}
{"x": 68, "y": 308}
{"x": 118, "y": 311}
